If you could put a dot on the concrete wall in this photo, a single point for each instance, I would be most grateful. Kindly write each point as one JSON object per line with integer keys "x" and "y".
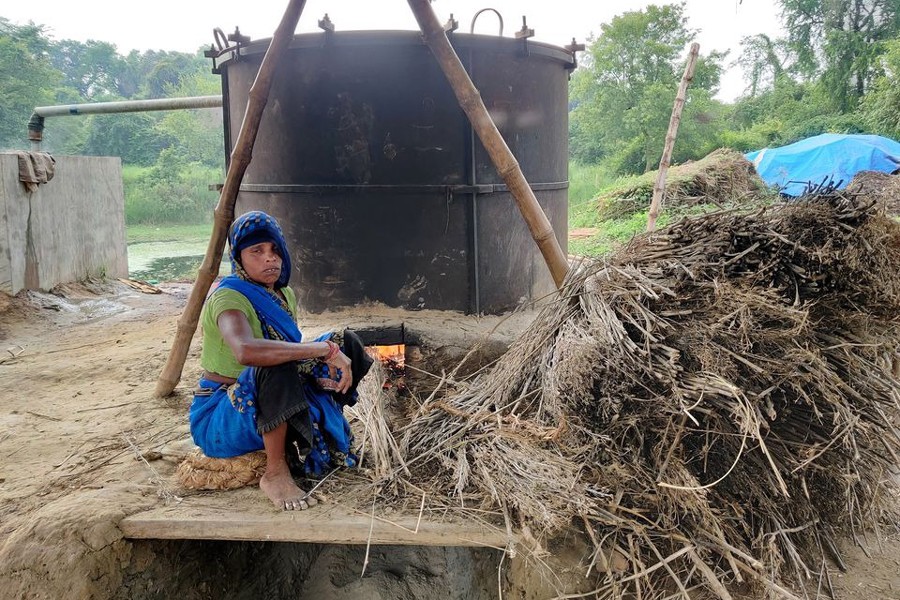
{"x": 71, "y": 228}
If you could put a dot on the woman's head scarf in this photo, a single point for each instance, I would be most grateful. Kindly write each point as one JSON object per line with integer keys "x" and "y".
{"x": 252, "y": 228}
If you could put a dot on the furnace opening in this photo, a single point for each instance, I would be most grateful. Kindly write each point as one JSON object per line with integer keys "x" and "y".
{"x": 393, "y": 358}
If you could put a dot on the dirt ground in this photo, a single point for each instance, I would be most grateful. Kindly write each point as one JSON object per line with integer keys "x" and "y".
{"x": 78, "y": 369}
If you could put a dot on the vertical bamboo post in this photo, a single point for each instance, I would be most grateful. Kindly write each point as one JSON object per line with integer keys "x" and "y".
{"x": 470, "y": 101}
{"x": 224, "y": 212}
{"x": 659, "y": 188}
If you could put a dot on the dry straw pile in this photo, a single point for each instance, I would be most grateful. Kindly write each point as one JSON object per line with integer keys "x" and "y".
{"x": 723, "y": 177}
{"x": 716, "y": 403}
{"x": 882, "y": 186}
{"x": 200, "y": 472}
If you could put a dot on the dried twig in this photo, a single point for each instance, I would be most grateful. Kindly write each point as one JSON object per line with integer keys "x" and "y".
{"x": 162, "y": 490}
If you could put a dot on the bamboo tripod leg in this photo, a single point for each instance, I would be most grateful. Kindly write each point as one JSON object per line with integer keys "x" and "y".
{"x": 503, "y": 159}
{"x": 224, "y": 213}
{"x": 659, "y": 187}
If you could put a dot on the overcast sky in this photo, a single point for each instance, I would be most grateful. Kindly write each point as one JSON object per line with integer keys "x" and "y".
{"x": 186, "y": 25}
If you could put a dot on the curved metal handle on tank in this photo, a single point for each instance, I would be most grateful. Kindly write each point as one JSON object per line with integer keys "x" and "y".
{"x": 495, "y": 11}
{"x": 220, "y": 39}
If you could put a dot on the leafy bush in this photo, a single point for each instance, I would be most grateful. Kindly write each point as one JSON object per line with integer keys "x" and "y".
{"x": 834, "y": 123}
{"x": 169, "y": 192}
{"x": 763, "y": 134}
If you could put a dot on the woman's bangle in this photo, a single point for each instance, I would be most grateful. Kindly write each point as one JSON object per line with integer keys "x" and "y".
{"x": 333, "y": 350}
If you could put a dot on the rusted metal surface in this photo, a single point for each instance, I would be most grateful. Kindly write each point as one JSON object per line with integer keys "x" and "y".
{"x": 382, "y": 190}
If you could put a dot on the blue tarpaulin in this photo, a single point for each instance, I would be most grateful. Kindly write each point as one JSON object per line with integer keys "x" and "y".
{"x": 830, "y": 158}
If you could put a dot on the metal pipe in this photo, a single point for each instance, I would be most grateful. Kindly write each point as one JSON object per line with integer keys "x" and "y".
{"x": 36, "y": 122}
{"x": 129, "y": 106}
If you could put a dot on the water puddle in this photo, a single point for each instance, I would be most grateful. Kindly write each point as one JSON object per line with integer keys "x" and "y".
{"x": 168, "y": 268}
{"x": 156, "y": 262}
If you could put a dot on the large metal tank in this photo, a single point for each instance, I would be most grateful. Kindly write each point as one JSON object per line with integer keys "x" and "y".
{"x": 383, "y": 190}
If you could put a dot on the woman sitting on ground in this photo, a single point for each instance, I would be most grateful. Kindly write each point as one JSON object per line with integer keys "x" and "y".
{"x": 262, "y": 386}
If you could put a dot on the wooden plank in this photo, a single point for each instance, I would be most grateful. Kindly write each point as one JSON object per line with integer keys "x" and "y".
{"x": 324, "y": 524}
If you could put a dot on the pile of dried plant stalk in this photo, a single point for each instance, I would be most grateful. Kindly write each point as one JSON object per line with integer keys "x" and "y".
{"x": 717, "y": 403}
{"x": 882, "y": 186}
{"x": 723, "y": 177}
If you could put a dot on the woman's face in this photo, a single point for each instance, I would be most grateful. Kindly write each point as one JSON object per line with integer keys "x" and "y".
{"x": 262, "y": 263}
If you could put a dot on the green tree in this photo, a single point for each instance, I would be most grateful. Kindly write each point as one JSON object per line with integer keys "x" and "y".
{"x": 131, "y": 77}
{"x": 195, "y": 135}
{"x": 881, "y": 106}
{"x": 27, "y": 79}
{"x": 764, "y": 62}
{"x": 164, "y": 71}
{"x": 152, "y": 73}
{"x": 93, "y": 68}
{"x": 623, "y": 93}
{"x": 788, "y": 112}
{"x": 838, "y": 42}
{"x": 131, "y": 136}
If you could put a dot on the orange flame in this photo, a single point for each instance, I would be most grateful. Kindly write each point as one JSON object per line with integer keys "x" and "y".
{"x": 393, "y": 354}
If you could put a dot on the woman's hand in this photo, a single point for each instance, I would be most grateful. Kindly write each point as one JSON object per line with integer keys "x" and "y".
{"x": 342, "y": 362}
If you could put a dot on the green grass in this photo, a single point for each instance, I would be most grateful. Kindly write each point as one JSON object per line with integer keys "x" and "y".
{"x": 585, "y": 182}
{"x": 136, "y": 234}
{"x": 613, "y": 234}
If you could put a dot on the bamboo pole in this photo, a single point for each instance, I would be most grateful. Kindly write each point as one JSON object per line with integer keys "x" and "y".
{"x": 224, "y": 212}
{"x": 470, "y": 101}
{"x": 659, "y": 188}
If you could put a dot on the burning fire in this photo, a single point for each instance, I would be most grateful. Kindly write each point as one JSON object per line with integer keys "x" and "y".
{"x": 393, "y": 358}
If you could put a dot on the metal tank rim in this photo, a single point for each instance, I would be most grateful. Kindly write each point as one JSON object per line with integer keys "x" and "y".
{"x": 395, "y": 37}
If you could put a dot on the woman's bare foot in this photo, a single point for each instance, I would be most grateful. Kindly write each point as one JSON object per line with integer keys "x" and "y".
{"x": 283, "y": 492}
{"x": 277, "y": 482}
